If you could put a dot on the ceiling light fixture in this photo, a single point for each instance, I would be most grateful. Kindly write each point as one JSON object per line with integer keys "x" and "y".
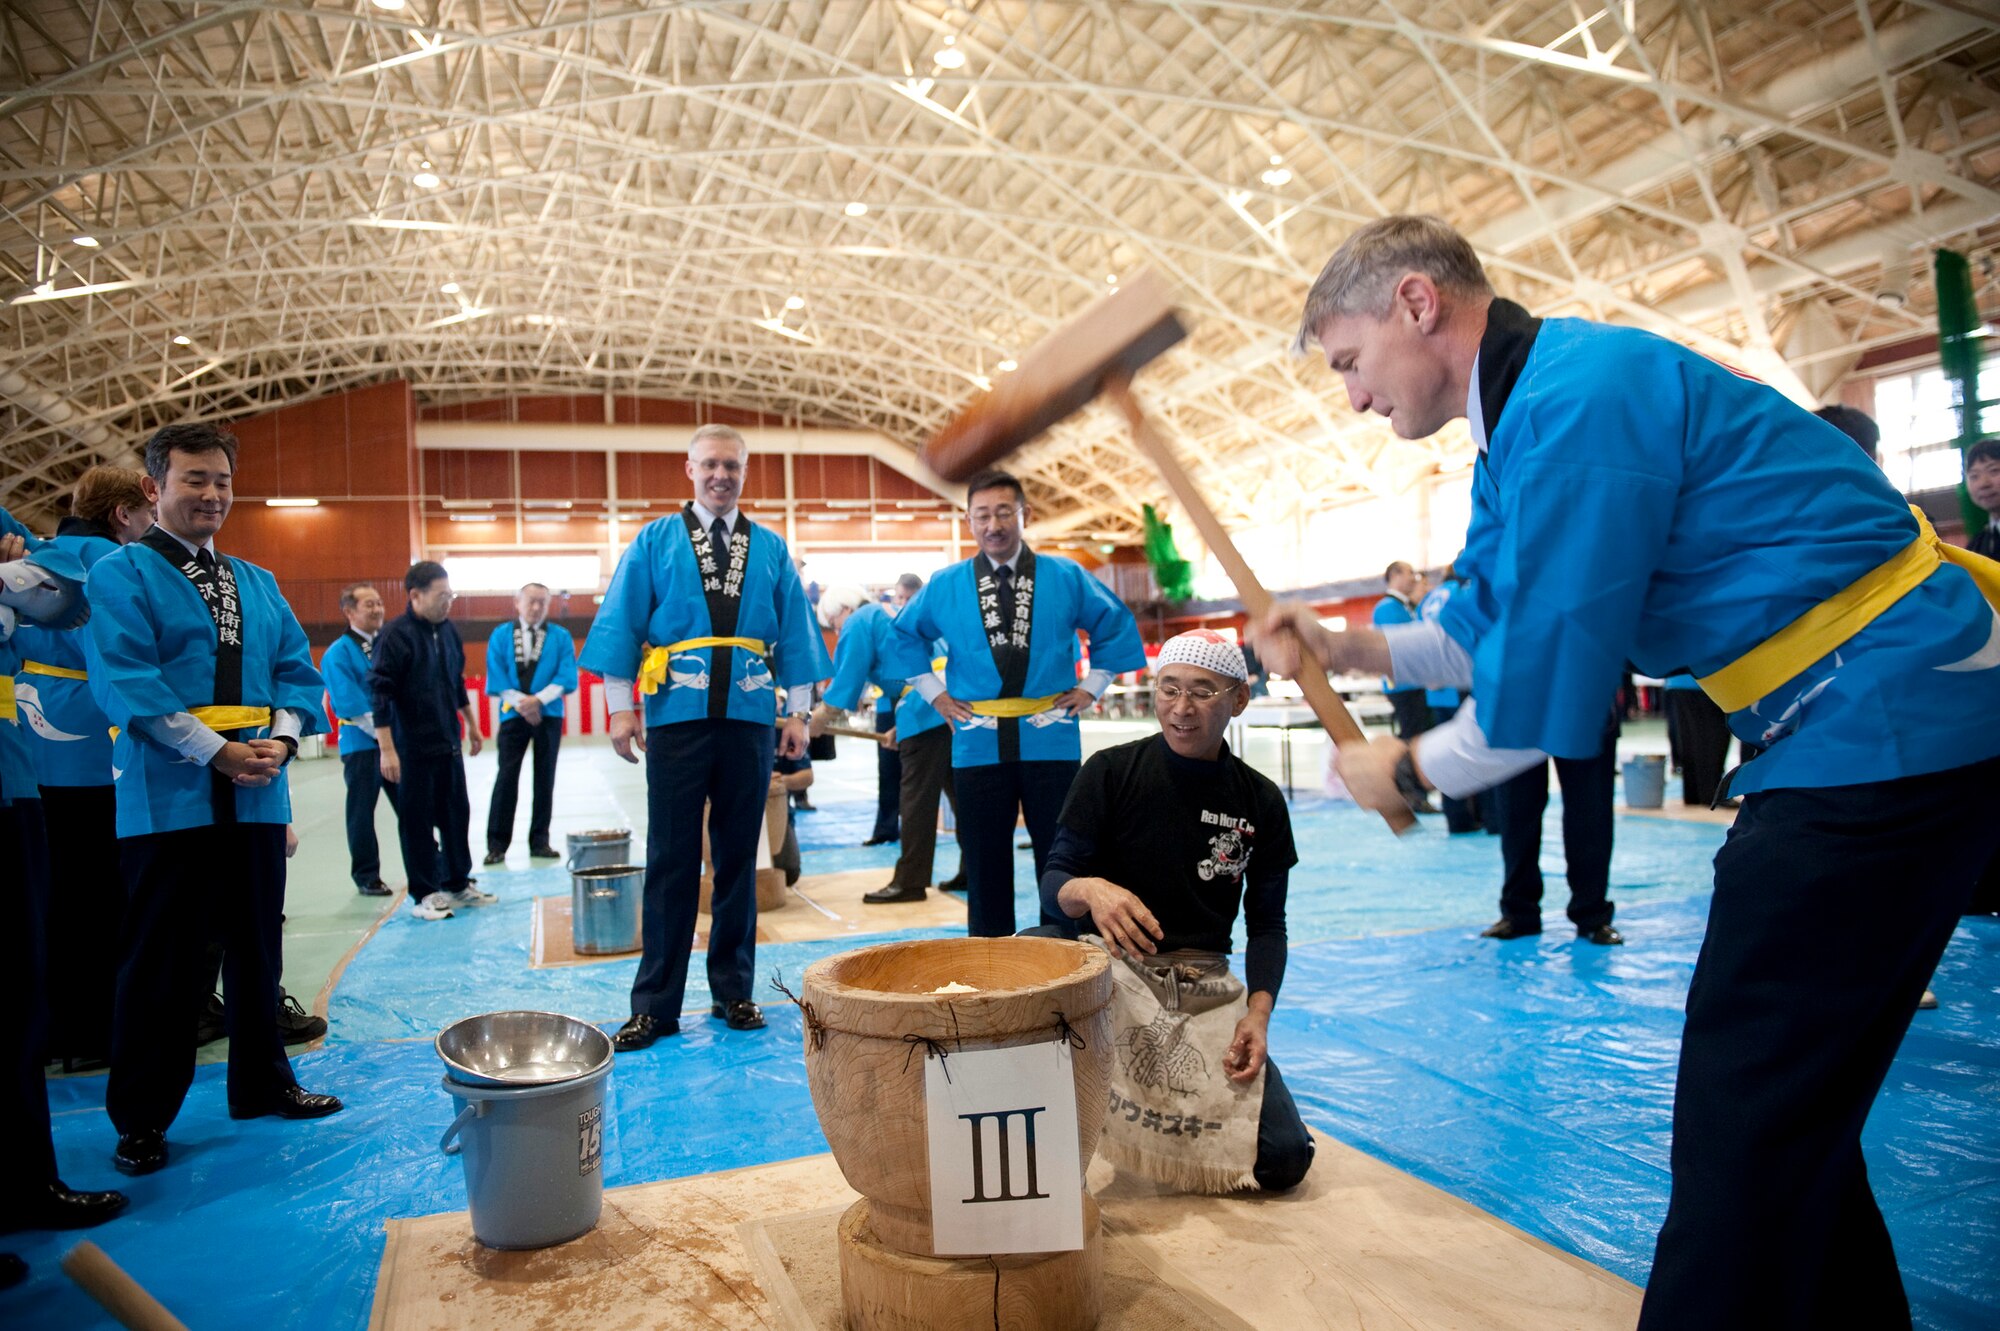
{"x": 795, "y": 302}
{"x": 1009, "y": 366}
{"x": 182, "y": 339}
{"x": 475, "y": 517}
{"x": 1112, "y": 278}
{"x": 950, "y": 57}
{"x": 1277, "y": 176}
{"x": 391, "y": 5}
{"x": 49, "y": 291}
{"x": 449, "y": 288}
{"x": 86, "y": 242}
{"x": 856, "y": 209}
{"x": 426, "y": 178}
{"x": 291, "y": 503}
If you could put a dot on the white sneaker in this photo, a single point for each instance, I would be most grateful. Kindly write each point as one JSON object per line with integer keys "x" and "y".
{"x": 468, "y": 896}
{"x": 436, "y": 906}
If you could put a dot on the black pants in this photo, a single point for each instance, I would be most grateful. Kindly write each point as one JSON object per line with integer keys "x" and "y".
{"x": 434, "y": 823}
{"x": 1831, "y": 910}
{"x": 1413, "y": 713}
{"x": 362, "y": 771}
{"x": 83, "y": 918}
{"x": 888, "y": 782}
{"x": 185, "y": 887}
{"x": 926, "y": 764}
{"x": 24, "y": 1101}
{"x": 727, "y": 766}
{"x": 1519, "y": 804}
{"x": 1284, "y": 1147}
{"x": 1702, "y": 731}
{"x": 513, "y": 741}
{"x": 988, "y": 798}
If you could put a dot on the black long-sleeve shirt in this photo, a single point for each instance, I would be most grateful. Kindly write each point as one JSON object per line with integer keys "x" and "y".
{"x": 418, "y": 684}
{"x": 1196, "y": 841}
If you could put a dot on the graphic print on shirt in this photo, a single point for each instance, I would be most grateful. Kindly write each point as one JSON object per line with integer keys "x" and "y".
{"x": 1228, "y": 850}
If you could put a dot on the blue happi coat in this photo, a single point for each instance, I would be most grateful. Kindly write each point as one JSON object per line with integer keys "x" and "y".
{"x": 656, "y": 599}
{"x": 152, "y": 653}
{"x": 1391, "y": 610}
{"x": 557, "y": 664}
{"x": 865, "y": 655}
{"x": 1066, "y": 599}
{"x": 1428, "y": 610}
{"x": 17, "y": 761}
{"x": 1640, "y": 501}
{"x": 345, "y": 666}
{"x": 67, "y": 730}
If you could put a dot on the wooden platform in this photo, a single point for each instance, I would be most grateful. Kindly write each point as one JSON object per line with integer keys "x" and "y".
{"x": 818, "y": 906}
{"x": 1360, "y": 1245}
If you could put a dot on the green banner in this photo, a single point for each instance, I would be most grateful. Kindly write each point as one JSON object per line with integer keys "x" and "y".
{"x": 1960, "y": 342}
{"x": 1174, "y": 574}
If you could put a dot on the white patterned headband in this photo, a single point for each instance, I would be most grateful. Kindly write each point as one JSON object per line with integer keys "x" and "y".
{"x": 1207, "y": 649}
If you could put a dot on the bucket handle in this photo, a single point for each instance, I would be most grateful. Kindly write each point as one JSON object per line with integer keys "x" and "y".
{"x": 472, "y": 1110}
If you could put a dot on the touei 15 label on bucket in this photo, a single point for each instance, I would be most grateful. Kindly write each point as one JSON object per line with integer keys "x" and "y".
{"x": 590, "y": 1139}
{"x": 1003, "y": 1146}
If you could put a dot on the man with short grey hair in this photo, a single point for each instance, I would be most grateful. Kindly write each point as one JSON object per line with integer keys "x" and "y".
{"x": 1614, "y": 516}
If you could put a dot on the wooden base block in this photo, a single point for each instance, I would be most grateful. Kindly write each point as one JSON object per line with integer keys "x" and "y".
{"x": 887, "y": 1289}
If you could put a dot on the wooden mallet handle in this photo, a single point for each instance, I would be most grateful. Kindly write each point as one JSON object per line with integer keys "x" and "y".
{"x": 1320, "y": 696}
{"x": 853, "y": 732}
{"x": 117, "y": 1293}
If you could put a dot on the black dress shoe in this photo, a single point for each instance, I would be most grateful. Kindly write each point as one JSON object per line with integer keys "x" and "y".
{"x": 140, "y": 1152}
{"x": 378, "y": 888}
{"x": 740, "y": 1013}
{"x": 890, "y": 895}
{"x": 59, "y": 1207}
{"x": 1603, "y": 935}
{"x": 291, "y": 1102}
{"x": 495, "y": 857}
{"x": 881, "y": 841}
{"x": 544, "y": 853}
{"x": 12, "y": 1270}
{"x": 639, "y": 1032}
{"x": 957, "y": 884}
{"x": 1504, "y": 928}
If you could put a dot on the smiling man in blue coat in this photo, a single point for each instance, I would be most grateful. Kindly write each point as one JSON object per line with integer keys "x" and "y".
{"x": 706, "y": 614}
{"x": 530, "y": 665}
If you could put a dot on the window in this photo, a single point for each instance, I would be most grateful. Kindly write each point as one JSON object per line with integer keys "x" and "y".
{"x": 1919, "y": 449}
{"x": 473, "y": 575}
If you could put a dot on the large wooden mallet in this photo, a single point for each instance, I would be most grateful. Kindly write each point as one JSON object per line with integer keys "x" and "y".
{"x": 1095, "y": 353}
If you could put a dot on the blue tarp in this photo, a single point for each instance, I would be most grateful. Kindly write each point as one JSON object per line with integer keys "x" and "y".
{"x": 1533, "y": 1078}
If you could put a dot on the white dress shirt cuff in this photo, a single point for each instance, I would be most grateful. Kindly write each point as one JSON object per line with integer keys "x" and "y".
{"x": 1456, "y": 758}
{"x": 549, "y": 693}
{"x": 798, "y": 700}
{"x": 289, "y": 723}
{"x": 618, "y": 695}
{"x": 1423, "y": 653}
{"x": 928, "y": 685}
{"x": 184, "y": 734}
{"x": 366, "y": 721}
{"x": 1096, "y": 682}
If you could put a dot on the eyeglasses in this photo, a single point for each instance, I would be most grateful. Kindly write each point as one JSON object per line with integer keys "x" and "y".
{"x": 1199, "y": 693}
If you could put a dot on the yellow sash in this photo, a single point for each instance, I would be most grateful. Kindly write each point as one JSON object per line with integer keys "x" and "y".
{"x": 1013, "y": 706}
{"x": 220, "y": 717}
{"x": 44, "y": 668}
{"x": 8, "y": 712}
{"x": 1817, "y": 632}
{"x": 653, "y": 665}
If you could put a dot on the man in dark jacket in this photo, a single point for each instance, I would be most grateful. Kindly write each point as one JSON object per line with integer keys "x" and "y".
{"x": 418, "y": 682}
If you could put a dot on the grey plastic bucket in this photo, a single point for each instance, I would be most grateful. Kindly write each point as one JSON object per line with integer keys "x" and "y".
{"x": 606, "y": 909}
{"x": 588, "y": 850}
{"x": 533, "y": 1158}
{"x": 1645, "y": 781}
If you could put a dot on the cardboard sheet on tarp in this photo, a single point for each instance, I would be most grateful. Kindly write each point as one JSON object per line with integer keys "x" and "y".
{"x": 1360, "y": 1244}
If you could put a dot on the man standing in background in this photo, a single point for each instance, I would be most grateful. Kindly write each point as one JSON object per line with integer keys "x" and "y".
{"x": 346, "y": 665}
{"x": 530, "y": 665}
{"x": 418, "y": 683}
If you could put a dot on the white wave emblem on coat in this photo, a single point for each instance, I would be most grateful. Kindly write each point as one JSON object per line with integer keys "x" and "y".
{"x": 756, "y": 675}
{"x": 29, "y": 701}
{"x": 688, "y": 679}
{"x": 1986, "y": 658}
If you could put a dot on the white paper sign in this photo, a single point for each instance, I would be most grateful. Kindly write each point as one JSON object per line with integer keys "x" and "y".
{"x": 1003, "y": 1146}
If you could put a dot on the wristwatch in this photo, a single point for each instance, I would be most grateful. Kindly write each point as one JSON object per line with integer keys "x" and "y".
{"x": 1406, "y": 772}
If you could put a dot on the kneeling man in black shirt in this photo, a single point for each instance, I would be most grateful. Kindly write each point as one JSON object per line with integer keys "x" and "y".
{"x": 1161, "y": 842}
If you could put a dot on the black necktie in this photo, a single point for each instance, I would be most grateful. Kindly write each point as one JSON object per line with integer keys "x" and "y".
{"x": 718, "y": 540}
{"x": 205, "y": 558}
{"x": 1004, "y": 575}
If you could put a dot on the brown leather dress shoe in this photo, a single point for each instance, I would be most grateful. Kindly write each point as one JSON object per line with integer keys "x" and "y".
{"x": 1504, "y": 928}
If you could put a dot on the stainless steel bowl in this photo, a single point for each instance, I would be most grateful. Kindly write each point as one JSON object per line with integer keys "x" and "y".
{"x": 522, "y": 1048}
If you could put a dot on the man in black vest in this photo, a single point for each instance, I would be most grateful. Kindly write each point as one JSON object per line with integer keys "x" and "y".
{"x": 418, "y": 682}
